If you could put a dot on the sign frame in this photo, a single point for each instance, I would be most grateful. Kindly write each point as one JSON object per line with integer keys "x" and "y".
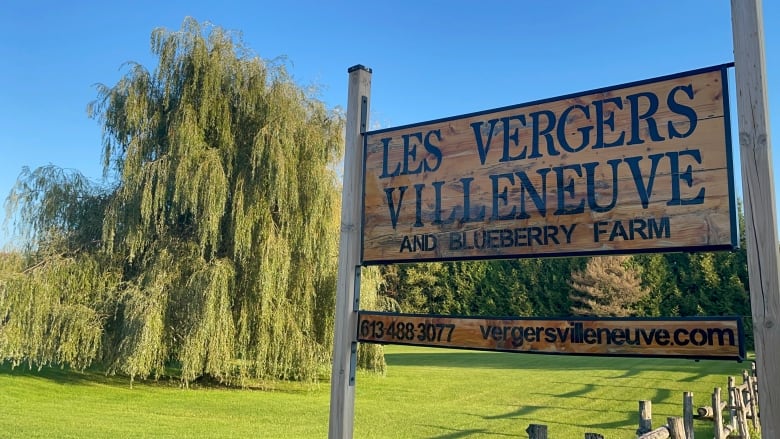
{"x": 579, "y": 329}
{"x": 730, "y": 243}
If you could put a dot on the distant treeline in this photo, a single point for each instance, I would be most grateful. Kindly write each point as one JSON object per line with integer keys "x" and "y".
{"x": 669, "y": 285}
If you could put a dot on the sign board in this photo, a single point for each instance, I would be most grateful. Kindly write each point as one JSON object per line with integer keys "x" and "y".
{"x": 640, "y": 167}
{"x": 710, "y": 337}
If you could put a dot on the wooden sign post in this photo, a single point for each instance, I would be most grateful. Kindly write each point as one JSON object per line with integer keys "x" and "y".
{"x": 759, "y": 197}
{"x": 342, "y": 380}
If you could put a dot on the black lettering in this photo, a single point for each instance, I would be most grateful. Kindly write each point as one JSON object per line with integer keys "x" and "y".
{"x": 687, "y": 177}
{"x": 679, "y": 339}
{"x": 483, "y": 147}
{"x": 386, "y": 159}
{"x": 514, "y": 136}
{"x": 539, "y": 200}
{"x": 410, "y": 151}
{"x": 394, "y": 211}
{"x": 585, "y": 131}
{"x": 418, "y": 204}
{"x": 698, "y": 337}
{"x": 647, "y": 116}
{"x": 618, "y": 231}
{"x": 682, "y": 110}
{"x": 638, "y": 226}
{"x": 456, "y": 241}
{"x": 662, "y": 337}
{"x": 662, "y": 230}
{"x": 542, "y": 132}
{"x": 567, "y": 187}
{"x": 437, "y": 206}
{"x": 406, "y": 244}
{"x": 644, "y": 190}
{"x": 608, "y": 121}
{"x": 501, "y": 195}
{"x": 591, "y": 336}
{"x": 466, "y": 181}
{"x": 721, "y": 334}
{"x": 590, "y": 173}
{"x": 433, "y": 150}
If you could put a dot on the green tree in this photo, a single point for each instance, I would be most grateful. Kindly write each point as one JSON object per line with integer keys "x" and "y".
{"x": 216, "y": 246}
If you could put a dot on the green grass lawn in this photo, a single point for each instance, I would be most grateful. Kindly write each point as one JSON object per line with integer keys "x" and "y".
{"x": 427, "y": 393}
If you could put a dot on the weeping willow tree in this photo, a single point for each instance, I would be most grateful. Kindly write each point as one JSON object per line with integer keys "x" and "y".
{"x": 218, "y": 241}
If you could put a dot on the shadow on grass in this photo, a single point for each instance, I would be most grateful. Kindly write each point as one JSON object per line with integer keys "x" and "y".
{"x": 89, "y": 377}
{"x": 455, "y": 433}
{"x": 60, "y": 375}
{"x": 626, "y": 366}
{"x": 519, "y": 413}
{"x": 628, "y": 422}
{"x": 587, "y": 388}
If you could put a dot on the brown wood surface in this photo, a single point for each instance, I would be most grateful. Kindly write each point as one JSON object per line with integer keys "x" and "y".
{"x": 568, "y": 336}
{"x": 645, "y": 417}
{"x": 659, "y": 433}
{"x": 761, "y": 235}
{"x": 704, "y": 225}
{"x": 342, "y": 394}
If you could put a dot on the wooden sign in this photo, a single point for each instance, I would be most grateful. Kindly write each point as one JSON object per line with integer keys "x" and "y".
{"x": 710, "y": 337}
{"x": 639, "y": 167}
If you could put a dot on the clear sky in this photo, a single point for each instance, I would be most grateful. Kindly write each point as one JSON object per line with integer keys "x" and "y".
{"x": 430, "y": 59}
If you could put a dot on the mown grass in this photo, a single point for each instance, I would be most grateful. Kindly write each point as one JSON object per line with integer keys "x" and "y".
{"x": 427, "y": 393}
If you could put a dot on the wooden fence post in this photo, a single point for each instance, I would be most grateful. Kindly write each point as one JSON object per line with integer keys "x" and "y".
{"x": 536, "y": 431}
{"x": 717, "y": 415}
{"x": 676, "y": 427}
{"x": 739, "y": 407}
{"x": 732, "y": 405}
{"x": 688, "y": 414}
{"x": 752, "y": 402}
{"x": 645, "y": 417}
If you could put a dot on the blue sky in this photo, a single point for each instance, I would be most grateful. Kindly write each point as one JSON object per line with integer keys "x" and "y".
{"x": 430, "y": 59}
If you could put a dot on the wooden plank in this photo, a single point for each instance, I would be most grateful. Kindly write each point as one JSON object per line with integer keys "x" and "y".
{"x": 581, "y": 174}
{"x": 661, "y": 432}
{"x": 760, "y": 207}
{"x": 711, "y": 338}
{"x": 342, "y": 392}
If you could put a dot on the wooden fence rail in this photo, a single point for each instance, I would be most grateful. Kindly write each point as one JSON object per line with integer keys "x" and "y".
{"x": 742, "y": 406}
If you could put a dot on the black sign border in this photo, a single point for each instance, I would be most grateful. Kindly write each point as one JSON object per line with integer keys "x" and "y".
{"x": 734, "y": 244}
{"x": 738, "y": 319}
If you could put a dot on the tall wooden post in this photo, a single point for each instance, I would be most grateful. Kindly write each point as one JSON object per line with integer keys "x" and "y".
{"x": 759, "y": 196}
{"x": 342, "y": 378}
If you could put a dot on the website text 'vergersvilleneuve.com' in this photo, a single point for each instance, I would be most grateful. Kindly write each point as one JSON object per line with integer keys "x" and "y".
{"x": 578, "y": 333}
{"x": 709, "y": 335}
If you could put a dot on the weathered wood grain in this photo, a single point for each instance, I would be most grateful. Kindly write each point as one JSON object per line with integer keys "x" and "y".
{"x": 342, "y": 395}
{"x": 760, "y": 206}
{"x": 481, "y": 173}
{"x": 623, "y": 337}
